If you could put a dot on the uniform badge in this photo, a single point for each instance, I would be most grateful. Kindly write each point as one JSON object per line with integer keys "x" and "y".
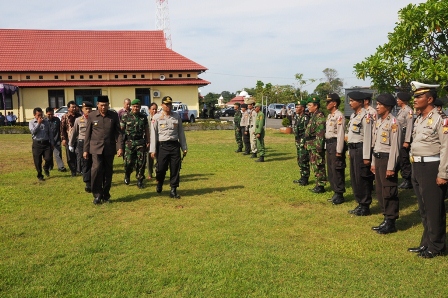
{"x": 384, "y": 134}
{"x": 445, "y": 125}
{"x": 394, "y": 125}
{"x": 384, "y": 139}
{"x": 429, "y": 122}
{"x": 368, "y": 118}
{"x": 340, "y": 120}
{"x": 410, "y": 114}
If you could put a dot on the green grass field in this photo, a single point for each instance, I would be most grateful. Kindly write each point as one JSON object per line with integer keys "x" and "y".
{"x": 241, "y": 229}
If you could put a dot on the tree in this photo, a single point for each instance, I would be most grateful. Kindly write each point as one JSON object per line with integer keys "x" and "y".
{"x": 417, "y": 49}
{"x": 302, "y": 83}
{"x": 334, "y": 83}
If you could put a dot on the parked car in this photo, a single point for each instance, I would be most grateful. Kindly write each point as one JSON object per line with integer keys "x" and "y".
{"x": 274, "y": 110}
{"x": 61, "y": 111}
{"x": 186, "y": 114}
{"x": 227, "y": 112}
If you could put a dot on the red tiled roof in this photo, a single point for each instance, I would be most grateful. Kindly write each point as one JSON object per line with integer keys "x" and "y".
{"x": 198, "y": 82}
{"x": 89, "y": 50}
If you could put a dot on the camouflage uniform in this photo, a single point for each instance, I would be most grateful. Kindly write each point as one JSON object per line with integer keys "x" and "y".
{"x": 303, "y": 157}
{"x": 134, "y": 127}
{"x": 237, "y": 127}
{"x": 315, "y": 138}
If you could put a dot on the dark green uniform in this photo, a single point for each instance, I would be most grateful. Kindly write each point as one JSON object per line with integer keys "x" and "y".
{"x": 315, "y": 138}
{"x": 303, "y": 157}
{"x": 237, "y": 127}
{"x": 259, "y": 130}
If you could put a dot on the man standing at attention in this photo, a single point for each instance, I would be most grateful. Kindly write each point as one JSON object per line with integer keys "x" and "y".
{"x": 237, "y": 127}
{"x": 135, "y": 140}
{"x": 167, "y": 139}
{"x": 315, "y": 140}
{"x": 42, "y": 143}
{"x": 55, "y": 126}
{"x": 102, "y": 133}
{"x": 303, "y": 157}
{"x": 152, "y": 111}
{"x": 252, "y": 120}
{"x": 360, "y": 148}
{"x": 244, "y": 124}
{"x": 429, "y": 158}
{"x": 335, "y": 148}
{"x": 405, "y": 118}
{"x": 67, "y": 122}
{"x": 259, "y": 132}
{"x": 386, "y": 146}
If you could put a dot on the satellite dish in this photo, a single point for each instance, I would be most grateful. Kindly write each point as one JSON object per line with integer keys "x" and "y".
{"x": 162, "y": 77}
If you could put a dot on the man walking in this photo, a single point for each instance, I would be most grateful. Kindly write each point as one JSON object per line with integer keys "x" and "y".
{"x": 67, "y": 122}
{"x": 55, "y": 126}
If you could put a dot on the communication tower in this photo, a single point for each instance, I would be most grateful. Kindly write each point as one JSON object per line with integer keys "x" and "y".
{"x": 163, "y": 20}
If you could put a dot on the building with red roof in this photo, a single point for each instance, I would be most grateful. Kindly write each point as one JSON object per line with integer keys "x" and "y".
{"x": 52, "y": 67}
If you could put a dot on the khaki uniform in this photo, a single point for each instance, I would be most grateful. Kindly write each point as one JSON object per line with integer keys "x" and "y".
{"x": 405, "y": 118}
{"x": 76, "y": 140}
{"x": 335, "y": 143}
{"x": 244, "y": 124}
{"x": 253, "y": 138}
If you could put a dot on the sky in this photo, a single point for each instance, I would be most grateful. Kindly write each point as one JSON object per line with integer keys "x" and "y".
{"x": 239, "y": 41}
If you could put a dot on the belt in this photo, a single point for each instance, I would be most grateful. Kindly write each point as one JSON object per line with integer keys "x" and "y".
{"x": 310, "y": 138}
{"x": 168, "y": 142}
{"x": 424, "y": 158}
{"x": 331, "y": 140}
{"x": 354, "y": 145}
{"x": 42, "y": 142}
{"x": 381, "y": 155}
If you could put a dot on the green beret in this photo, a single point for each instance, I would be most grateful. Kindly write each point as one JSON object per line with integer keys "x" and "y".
{"x": 302, "y": 103}
{"x": 135, "y": 102}
{"x": 167, "y": 100}
{"x": 314, "y": 100}
{"x": 258, "y": 105}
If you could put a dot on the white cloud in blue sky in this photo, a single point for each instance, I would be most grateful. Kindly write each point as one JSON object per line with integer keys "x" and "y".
{"x": 240, "y": 42}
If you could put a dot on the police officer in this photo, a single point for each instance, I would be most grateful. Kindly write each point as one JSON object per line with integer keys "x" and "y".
{"x": 135, "y": 139}
{"x": 335, "y": 148}
{"x": 315, "y": 143}
{"x": 359, "y": 146}
{"x": 237, "y": 127}
{"x": 259, "y": 132}
{"x": 386, "y": 145}
{"x": 244, "y": 124}
{"x": 368, "y": 107}
{"x": 429, "y": 158}
{"x": 405, "y": 118}
{"x": 102, "y": 133}
{"x": 76, "y": 140}
{"x": 67, "y": 122}
{"x": 439, "y": 105}
{"x": 252, "y": 120}
{"x": 301, "y": 120}
{"x": 167, "y": 139}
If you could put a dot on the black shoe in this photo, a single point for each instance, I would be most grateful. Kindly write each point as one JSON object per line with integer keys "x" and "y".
{"x": 354, "y": 210}
{"x": 140, "y": 183}
{"x": 260, "y": 159}
{"x": 97, "y": 201}
{"x": 389, "y": 227}
{"x": 47, "y": 173}
{"x": 332, "y": 198}
{"x": 88, "y": 189}
{"x": 339, "y": 199}
{"x": 426, "y": 254}
{"x": 238, "y": 150}
{"x": 417, "y": 249}
{"x": 363, "y": 211}
{"x": 376, "y": 228}
{"x": 303, "y": 181}
{"x": 73, "y": 174}
{"x": 254, "y": 155}
{"x": 318, "y": 189}
{"x": 173, "y": 193}
{"x": 159, "y": 187}
{"x": 406, "y": 184}
{"x": 127, "y": 179}
{"x": 41, "y": 178}
{"x": 62, "y": 170}
{"x": 246, "y": 153}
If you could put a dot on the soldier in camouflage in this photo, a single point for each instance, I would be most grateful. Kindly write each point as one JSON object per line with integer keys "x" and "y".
{"x": 237, "y": 127}
{"x": 301, "y": 120}
{"x": 315, "y": 139}
{"x": 135, "y": 139}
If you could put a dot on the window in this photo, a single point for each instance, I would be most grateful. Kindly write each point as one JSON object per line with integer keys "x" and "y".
{"x": 90, "y": 76}
{"x": 171, "y": 75}
{"x": 28, "y": 77}
{"x": 72, "y": 77}
{"x": 56, "y": 98}
{"x": 142, "y": 76}
{"x": 9, "y": 77}
{"x": 144, "y": 94}
{"x": 56, "y": 77}
{"x": 81, "y": 77}
{"x": 179, "y": 75}
{"x": 87, "y": 95}
{"x": 7, "y": 105}
{"x": 0, "y": 77}
{"x": 41, "y": 77}
{"x": 188, "y": 75}
{"x": 116, "y": 76}
{"x": 134, "y": 76}
{"x": 100, "y": 76}
{"x": 125, "y": 76}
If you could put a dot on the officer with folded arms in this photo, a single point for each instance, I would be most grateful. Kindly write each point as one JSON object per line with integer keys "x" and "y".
{"x": 429, "y": 158}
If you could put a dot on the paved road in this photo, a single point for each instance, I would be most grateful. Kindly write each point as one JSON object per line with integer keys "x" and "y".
{"x": 271, "y": 122}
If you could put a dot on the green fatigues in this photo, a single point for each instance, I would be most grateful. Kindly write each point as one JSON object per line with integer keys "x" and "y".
{"x": 303, "y": 158}
{"x": 259, "y": 129}
{"x": 134, "y": 127}
{"x": 335, "y": 143}
{"x": 237, "y": 128}
{"x": 315, "y": 137}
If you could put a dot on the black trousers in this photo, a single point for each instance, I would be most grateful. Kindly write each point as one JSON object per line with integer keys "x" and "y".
{"x": 246, "y": 139}
{"x": 431, "y": 204}
{"x": 336, "y": 168}
{"x": 386, "y": 189}
{"x": 168, "y": 155}
{"x": 404, "y": 163}
{"x": 361, "y": 177}
{"x": 101, "y": 175}
{"x": 86, "y": 164}
{"x": 41, "y": 150}
{"x": 71, "y": 159}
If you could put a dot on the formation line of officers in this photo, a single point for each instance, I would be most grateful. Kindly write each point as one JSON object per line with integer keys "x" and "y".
{"x": 95, "y": 137}
{"x": 380, "y": 145}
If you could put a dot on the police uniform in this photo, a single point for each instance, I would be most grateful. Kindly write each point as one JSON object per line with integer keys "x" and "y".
{"x": 167, "y": 139}
{"x": 259, "y": 133}
{"x": 100, "y": 142}
{"x": 303, "y": 157}
{"x": 42, "y": 142}
{"x": 429, "y": 158}
{"x": 135, "y": 139}
{"x": 244, "y": 129}
{"x": 237, "y": 128}
{"x": 405, "y": 118}
{"x": 76, "y": 140}
{"x": 359, "y": 146}
{"x": 335, "y": 143}
{"x": 252, "y": 137}
{"x": 387, "y": 138}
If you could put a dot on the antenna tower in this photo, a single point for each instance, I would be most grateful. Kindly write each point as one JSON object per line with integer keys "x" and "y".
{"x": 163, "y": 20}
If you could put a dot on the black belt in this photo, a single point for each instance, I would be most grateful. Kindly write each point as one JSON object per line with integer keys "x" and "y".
{"x": 354, "y": 145}
{"x": 168, "y": 142}
{"x": 310, "y": 138}
{"x": 331, "y": 140}
{"x": 381, "y": 155}
{"x": 45, "y": 142}
{"x": 128, "y": 137}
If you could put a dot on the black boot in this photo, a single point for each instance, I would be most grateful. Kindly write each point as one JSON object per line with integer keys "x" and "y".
{"x": 406, "y": 184}
{"x": 246, "y": 153}
{"x": 238, "y": 150}
{"x": 355, "y": 210}
{"x": 159, "y": 186}
{"x": 389, "y": 227}
{"x": 339, "y": 199}
{"x": 127, "y": 178}
{"x": 332, "y": 198}
{"x": 173, "y": 193}
{"x": 362, "y": 211}
{"x": 303, "y": 181}
{"x": 254, "y": 155}
{"x": 140, "y": 183}
{"x": 380, "y": 226}
{"x": 260, "y": 159}
{"x": 318, "y": 189}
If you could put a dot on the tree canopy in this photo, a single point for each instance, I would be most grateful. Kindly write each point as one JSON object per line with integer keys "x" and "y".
{"x": 417, "y": 49}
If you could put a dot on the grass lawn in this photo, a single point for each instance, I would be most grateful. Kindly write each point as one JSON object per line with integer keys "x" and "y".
{"x": 241, "y": 229}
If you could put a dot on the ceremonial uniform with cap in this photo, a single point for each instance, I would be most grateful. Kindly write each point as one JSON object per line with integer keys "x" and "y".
{"x": 167, "y": 139}
{"x": 315, "y": 144}
{"x": 386, "y": 145}
{"x": 244, "y": 129}
{"x": 429, "y": 158}
{"x": 336, "y": 149}
{"x": 303, "y": 157}
{"x": 405, "y": 118}
{"x": 135, "y": 140}
{"x": 237, "y": 127}
{"x": 102, "y": 133}
{"x": 360, "y": 146}
{"x": 252, "y": 120}
{"x": 76, "y": 140}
